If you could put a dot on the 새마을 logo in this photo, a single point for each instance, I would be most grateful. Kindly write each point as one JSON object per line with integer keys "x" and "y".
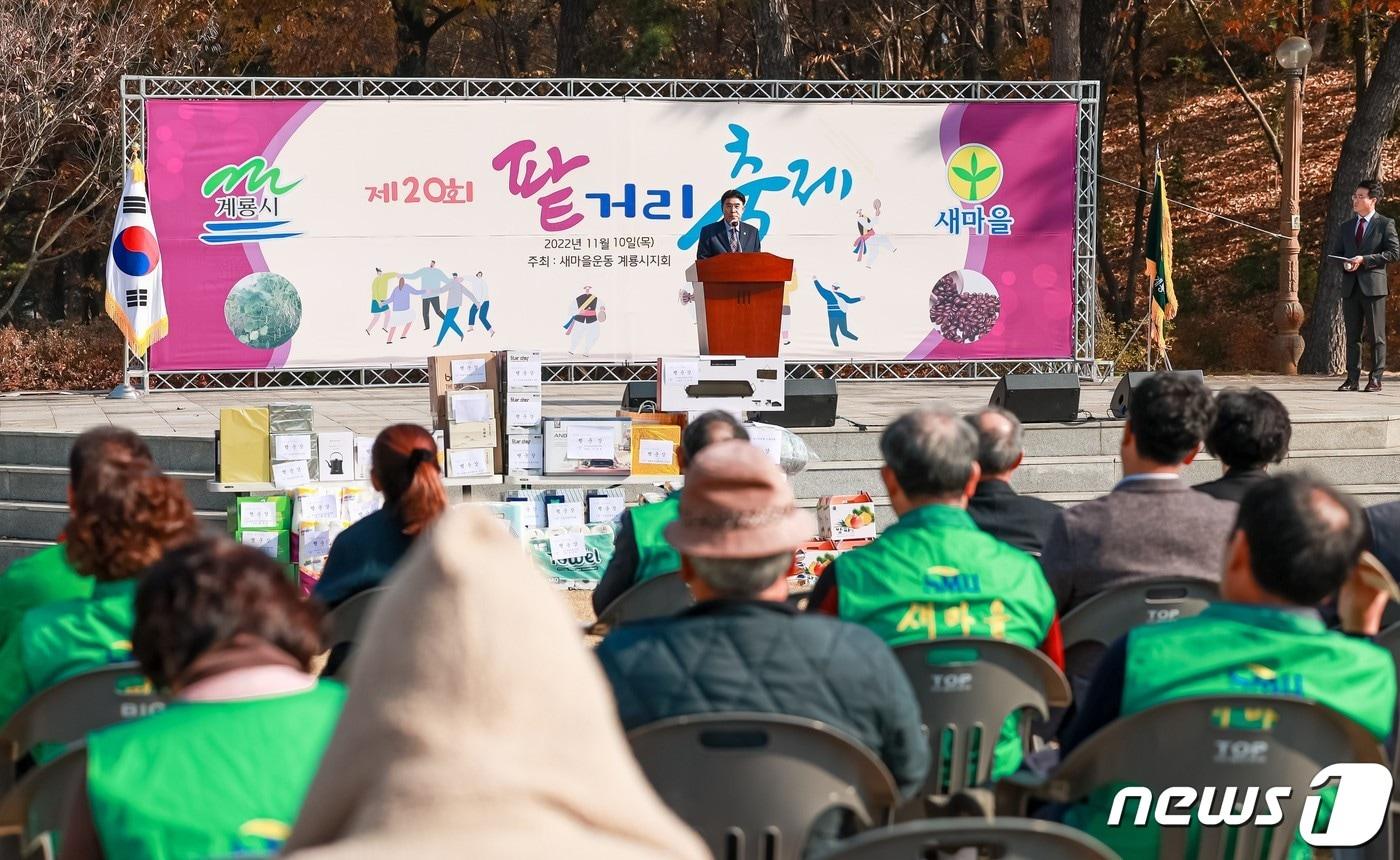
{"x": 135, "y": 252}
{"x": 974, "y": 172}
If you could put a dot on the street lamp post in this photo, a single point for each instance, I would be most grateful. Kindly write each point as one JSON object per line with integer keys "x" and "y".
{"x": 1293, "y": 55}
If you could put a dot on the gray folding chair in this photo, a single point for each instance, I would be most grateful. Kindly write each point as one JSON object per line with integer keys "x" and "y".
{"x": 752, "y": 785}
{"x": 967, "y": 687}
{"x": 1242, "y": 741}
{"x": 1004, "y": 839}
{"x": 67, "y": 711}
{"x": 36, "y": 808}
{"x": 651, "y": 598}
{"x": 345, "y": 622}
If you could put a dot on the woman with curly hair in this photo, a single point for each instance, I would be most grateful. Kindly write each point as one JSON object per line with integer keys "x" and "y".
{"x": 125, "y": 513}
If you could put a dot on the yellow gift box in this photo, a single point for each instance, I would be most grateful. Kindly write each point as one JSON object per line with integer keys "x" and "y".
{"x": 244, "y": 445}
{"x": 656, "y": 449}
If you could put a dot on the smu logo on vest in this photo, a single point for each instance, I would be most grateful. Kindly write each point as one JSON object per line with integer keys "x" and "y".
{"x": 1358, "y": 810}
{"x": 950, "y": 580}
{"x": 1258, "y": 678}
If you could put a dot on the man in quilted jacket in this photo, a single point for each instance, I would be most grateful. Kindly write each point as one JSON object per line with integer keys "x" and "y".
{"x": 742, "y": 647}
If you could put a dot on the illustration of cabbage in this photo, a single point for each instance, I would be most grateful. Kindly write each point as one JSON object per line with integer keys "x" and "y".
{"x": 263, "y": 310}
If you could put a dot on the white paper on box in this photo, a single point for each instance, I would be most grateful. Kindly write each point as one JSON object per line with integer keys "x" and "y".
{"x": 258, "y": 515}
{"x": 364, "y": 457}
{"x": 605, "y": 509}
{"x": 562, "y": 514}
{"x": 473, "y": 406}
{"x": 336, "y": 451}
{"x": 296, "y": 446}
{"x": 524, "y": 410}
{"x": 589, "y": 442}
{"x": 658, "y": 452}
{"x": 319, "y": 507}
{"x": 567, "y": 546}
{"x": 313, "y": 543}
{"x": 469, "y": 371}
{"x": 265, "y": 541}
{"x": 767, "y": 439}
{"x": 357, "y": 506}
{"x": 288, "y": 475}
{"x": 523, "y": 368}
{"x": 682, "y": 372}
{"x": 529, "y": 514}
{"x": 526, "y": 453}
{"x": 468, "y": 462}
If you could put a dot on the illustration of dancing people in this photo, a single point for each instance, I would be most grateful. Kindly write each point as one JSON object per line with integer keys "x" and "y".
{"x": 456, "y": 293}
{"x": 869, "y": 243}
{"x": 401, "y": 308}
{"x": 835, "y": 315}
{"x": 379, "y": 299}
{"x": 481, "y": 302}
{"x": 583, "y": 326}
{"x": 434, "y": 283}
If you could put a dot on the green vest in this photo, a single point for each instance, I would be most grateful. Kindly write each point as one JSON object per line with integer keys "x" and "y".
{"x": 654, "y": 555}
{"x": 935, "y": 574}
{"x": 36, "y": 580}
{"x": 1233, "y": 648}
{"x": 61, "y": 640}
{"x": 208, "y": 779}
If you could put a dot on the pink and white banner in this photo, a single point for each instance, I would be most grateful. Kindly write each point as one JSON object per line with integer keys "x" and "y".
{"x": 306, "y": 234}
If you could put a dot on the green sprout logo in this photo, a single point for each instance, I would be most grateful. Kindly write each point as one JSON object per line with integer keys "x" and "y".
{"x": 252, "y": 174}
{"x": 974, "y": 172}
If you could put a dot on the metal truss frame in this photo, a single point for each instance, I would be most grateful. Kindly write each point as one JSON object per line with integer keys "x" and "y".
{"x": 137, "y": 89}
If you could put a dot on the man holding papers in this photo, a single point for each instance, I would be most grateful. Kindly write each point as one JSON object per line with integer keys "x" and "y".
{"x": 1363, "y": 247}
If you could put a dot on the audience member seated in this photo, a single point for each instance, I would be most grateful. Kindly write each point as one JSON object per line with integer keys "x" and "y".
{"x": 745, "y": 648}
{"x": 934, "y": 574}
{"x": 1251, "y": 431}
{"x": 405, "y": 469}
{"x": 48, "y": 576}
{"x": 479, "y": 725}
{"x": 998, "y": 510}
{"x": 640, "y": 549}
{"x": 1152, "y": 524}
{"x": 1296, "y": 542}
{"x": 224, "y": 768}
{"x": 125, "y": 514}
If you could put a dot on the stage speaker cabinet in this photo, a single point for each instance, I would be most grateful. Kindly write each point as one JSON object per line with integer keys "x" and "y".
{"x": 639, "y": 394}
{"x": 808, "y": 403}
{"x": 1123, "y": 394}
{"x": 1038, "y": 398}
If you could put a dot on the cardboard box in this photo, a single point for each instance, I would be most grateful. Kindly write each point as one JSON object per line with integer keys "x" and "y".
{"x": 315, "y": 505}
{"x": 522, "y": 411}
{"x": 522, "y": 370}
{"x": 289, "y": 449}
{"x": 277, "y": 544}
{"x": 844, "y": 518}
{"x": 733, "y": 383}
{"x": 244, "y": 446}
{"x": 562, "y": 512}
{"x": 459, "y": 373}
{"x": 605, "y": 506}
{"x": 815, "y": 557}
{"x": 656, "y": 449}
{"x": 335, "y": 456}
{"x": 470, "y": 462}
{"x": 259, "y": 513}
{"x": 588, "y": 446}
{"x": 465, "y": 406}
{"x": 290, "y": 418}
{"x": 471, "y": 434}
{"x": 525, "y": 454}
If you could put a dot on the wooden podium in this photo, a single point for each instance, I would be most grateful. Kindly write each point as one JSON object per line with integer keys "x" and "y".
{"x": 739, "y": 303}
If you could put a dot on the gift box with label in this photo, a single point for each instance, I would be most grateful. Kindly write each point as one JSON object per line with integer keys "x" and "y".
{"x": 470, "y": 462}
{"x": 364, "y": 457}
{"x": 447, "y": 373}
{"x": 315, "y": 505}
{"x": 511, "y": 515}
{"x": 356, "y": 503}
{"x": 290, "y": 418}
{"x": 335, "y": 456}
{"x": 277, "y": 544}
{"x": 572, "y": 557}
{"x": 465, "y": 407}
{"x": 314, "y": 542}
{"x": 245, "y": 453}
{"x": 294, "y": 459}
{"x": 846, "y": 517}
{"x": 605, "y": 506}
{"x": 733, "y": 383}
{"x": 522, "y": 370}
{"x": 266, "y": 513}
{"x": 525, "y": 454}
{"x": 656, "y": 449}
{"x": 588, "y": 446}
{"x": 522, "y": 411}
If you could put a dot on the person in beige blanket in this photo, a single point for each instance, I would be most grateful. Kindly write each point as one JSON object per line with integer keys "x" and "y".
{"x": 478, "y": 725}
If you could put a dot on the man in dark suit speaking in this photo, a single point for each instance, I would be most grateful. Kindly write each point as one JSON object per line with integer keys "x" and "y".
{"x": 729, "y": 235}
{"x": 1364, "y": 245}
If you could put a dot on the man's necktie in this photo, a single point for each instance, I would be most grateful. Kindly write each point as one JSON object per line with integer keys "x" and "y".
{"x": 1360, "y": 231}
{"x": 734, "y": 239}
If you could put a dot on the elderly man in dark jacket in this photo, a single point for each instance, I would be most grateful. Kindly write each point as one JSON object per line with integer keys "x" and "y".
{"x": 742, "y": 648}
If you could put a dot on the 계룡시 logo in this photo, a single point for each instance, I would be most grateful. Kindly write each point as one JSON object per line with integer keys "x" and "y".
{"x": 974, "y": 172}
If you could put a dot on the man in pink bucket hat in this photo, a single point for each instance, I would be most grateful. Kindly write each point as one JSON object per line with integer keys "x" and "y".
{"x": 742, "y": 647}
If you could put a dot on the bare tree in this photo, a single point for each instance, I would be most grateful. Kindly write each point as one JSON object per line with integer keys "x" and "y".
{"x": 416, "y": 22}
{"x": 1064, "y": 39}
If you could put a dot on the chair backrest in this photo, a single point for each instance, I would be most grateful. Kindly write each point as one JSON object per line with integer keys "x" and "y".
{"x": 752, "y": 785}
{"x": 67, "y": 711}
{"x": 37, "y": 806}
{"x": 346, "y": 619}
{"x": 1112, "y": 613}
{"x": 1241, "y": 741}
{"x": 1004, "y": 838}
{"x": 651, "y": 598}
{"x": 1389, "y": 639}
{"x": 967, "y": 687}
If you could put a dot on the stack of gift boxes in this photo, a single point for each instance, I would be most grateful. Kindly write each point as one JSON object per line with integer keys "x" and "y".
{"x": 843, "y": 523}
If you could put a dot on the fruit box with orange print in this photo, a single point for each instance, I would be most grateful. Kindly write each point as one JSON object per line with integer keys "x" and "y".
{"x": 846, "y": 517}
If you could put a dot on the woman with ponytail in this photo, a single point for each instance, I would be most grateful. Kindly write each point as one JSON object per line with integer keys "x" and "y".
{"x": 405, "y": 470}
{"x": 125, "y": 514}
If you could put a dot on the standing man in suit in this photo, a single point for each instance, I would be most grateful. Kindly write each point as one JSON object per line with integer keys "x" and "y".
{"x": 1369, "y": 242}
{"x": 729, "y": 235}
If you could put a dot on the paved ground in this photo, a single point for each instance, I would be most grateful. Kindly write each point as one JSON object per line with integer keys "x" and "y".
{"x": 367, "y": 410}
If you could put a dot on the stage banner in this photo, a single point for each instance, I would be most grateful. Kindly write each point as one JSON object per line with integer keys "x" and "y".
{"x": 300, "y": 234}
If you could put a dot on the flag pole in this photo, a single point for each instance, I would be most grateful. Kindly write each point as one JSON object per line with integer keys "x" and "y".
{"x": 1151, "y": 325}
{"x": 124, "y": 389}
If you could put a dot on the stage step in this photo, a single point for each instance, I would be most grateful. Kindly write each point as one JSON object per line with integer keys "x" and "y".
{"x": 50, "y": 448}
{"x": 50, "y": 484}
{"x": 43, "y": 521}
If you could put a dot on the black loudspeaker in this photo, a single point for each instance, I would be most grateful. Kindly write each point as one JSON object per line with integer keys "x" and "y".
{"x": 639, "y": 393}
{"x": 1123, "y": 394}
{"x": 807, "y": 403}
{"x": 1038, "y": 398}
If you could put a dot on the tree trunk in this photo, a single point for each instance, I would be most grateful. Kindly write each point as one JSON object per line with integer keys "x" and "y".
{"x": 1127, "y": 308}
{"x": 1064, "y": 40}
{"x": 1317, "y": 27}
{"x": 971, "y": 52}
{"x": 1360, "y": 159}
{"x": 568, "y": 46}
{"x": 994, "y": 38}
{"x": 774, "y": 41}
{"x": 1361, "y": 50}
